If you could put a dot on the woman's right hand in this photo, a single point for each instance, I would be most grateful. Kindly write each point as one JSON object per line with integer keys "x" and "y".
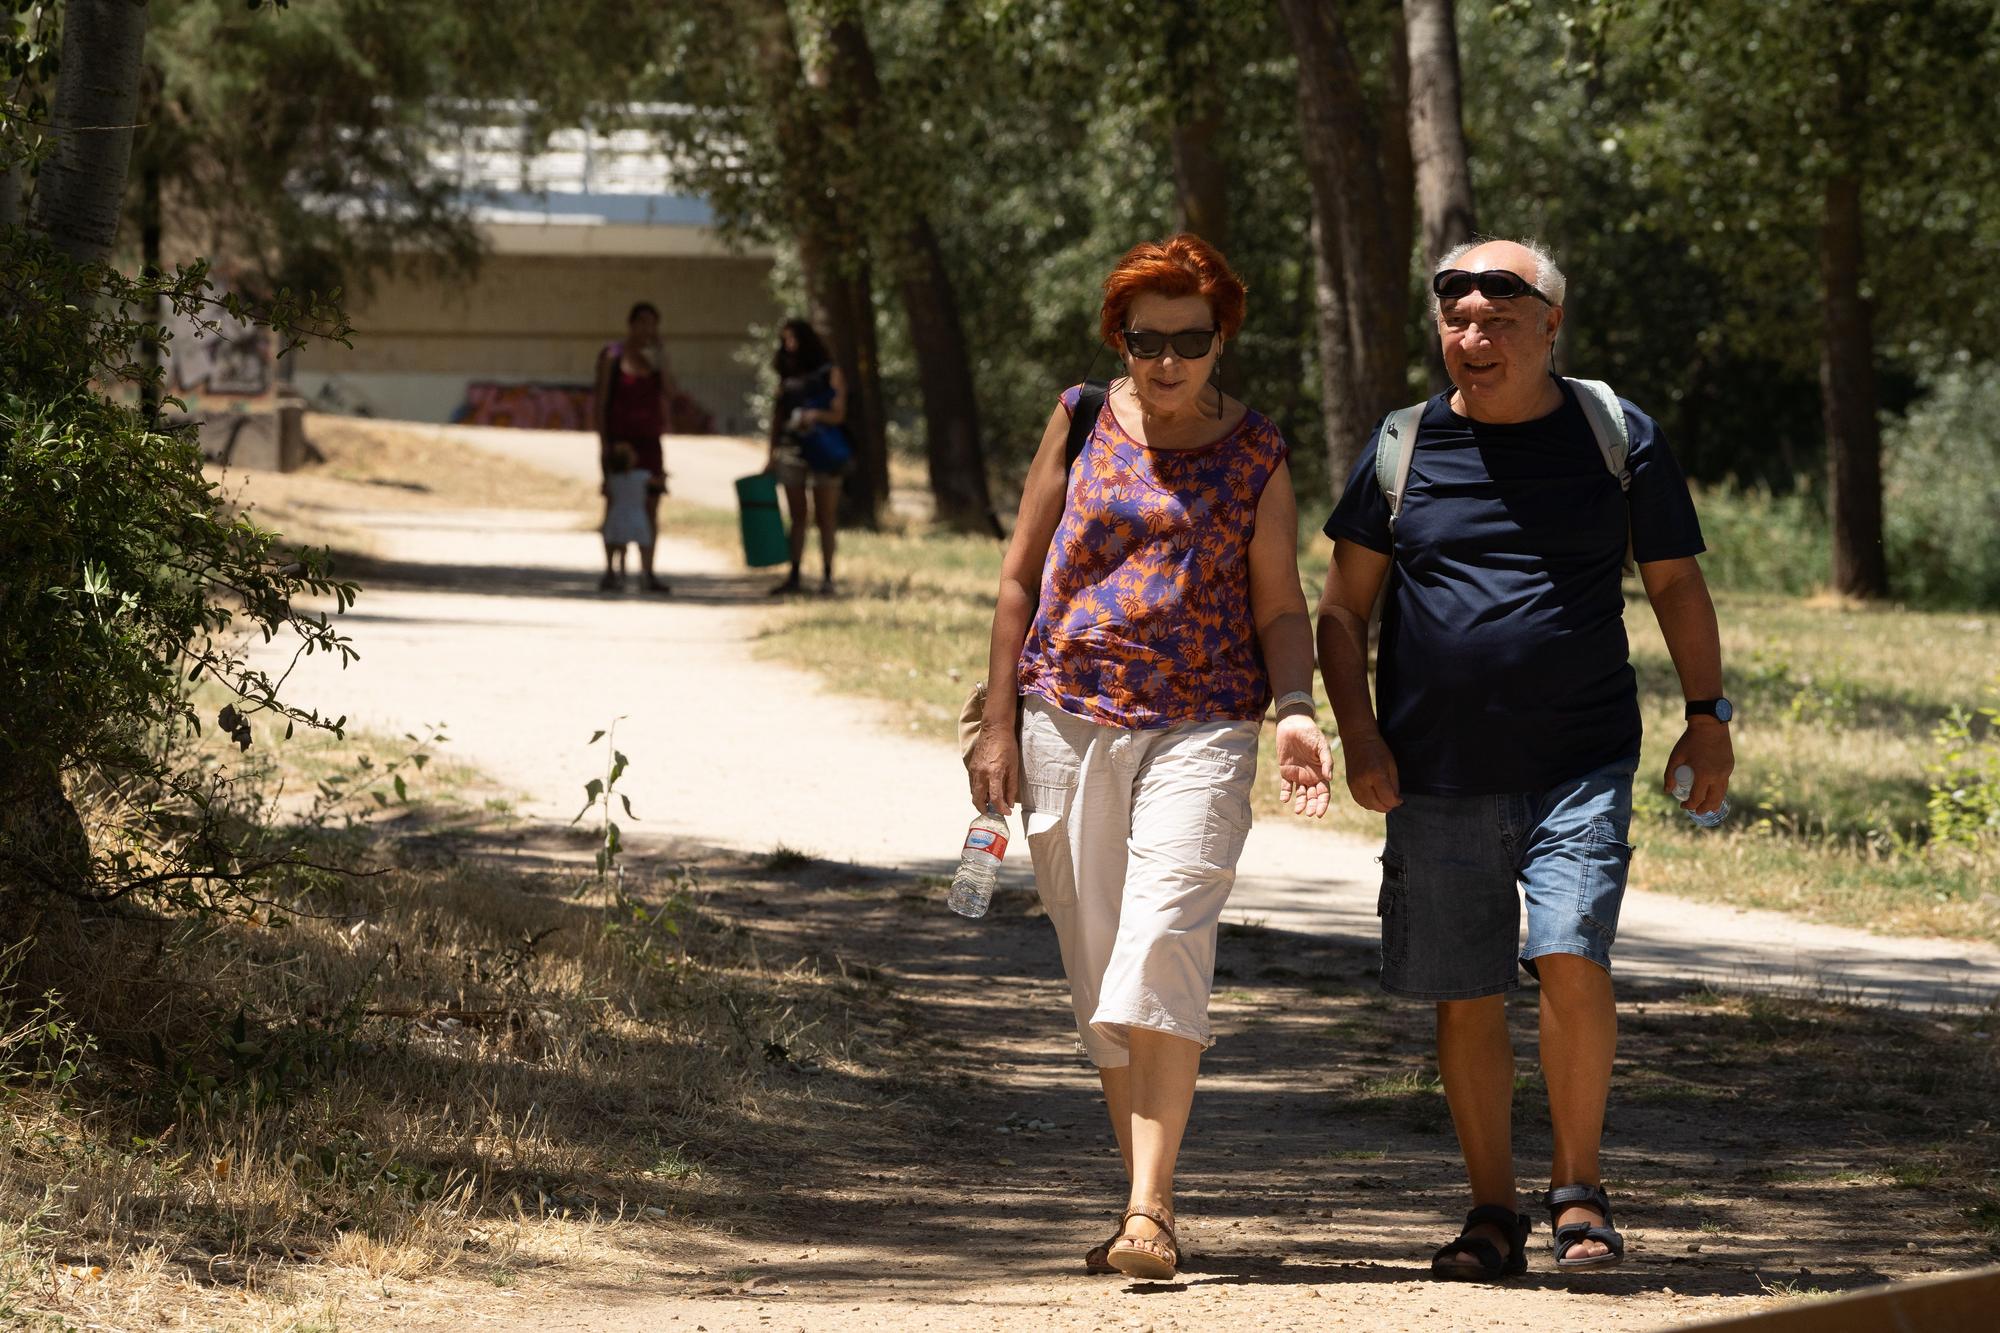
{"x": 996, "y": 759}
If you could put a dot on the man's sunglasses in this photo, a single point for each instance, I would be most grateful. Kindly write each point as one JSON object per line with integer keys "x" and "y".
{"x": 1495, "y": 284}
{"x": 1188, "y": 344}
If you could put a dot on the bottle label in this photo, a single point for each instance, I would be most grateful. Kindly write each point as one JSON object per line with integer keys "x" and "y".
{"x": 987, "y": 841}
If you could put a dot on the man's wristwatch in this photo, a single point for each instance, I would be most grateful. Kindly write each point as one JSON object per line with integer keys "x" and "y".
{"x": 1295, "y": 697}
{"x": 1719, "y": 709}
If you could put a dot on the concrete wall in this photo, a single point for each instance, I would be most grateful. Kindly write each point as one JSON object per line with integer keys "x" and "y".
{"x": 530, "y": 317}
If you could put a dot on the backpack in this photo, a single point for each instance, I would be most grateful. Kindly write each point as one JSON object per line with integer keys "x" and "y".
{"x": 1398, "y": 437}
{"x": 1397, "y": 440}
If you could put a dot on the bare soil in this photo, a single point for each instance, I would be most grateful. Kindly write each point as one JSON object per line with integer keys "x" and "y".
{"x": 1758, "y": 1150}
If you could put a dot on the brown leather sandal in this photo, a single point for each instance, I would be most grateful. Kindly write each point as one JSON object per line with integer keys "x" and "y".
{"x": 1096, "y": 1260}
{"x": 1153, "y": 1260}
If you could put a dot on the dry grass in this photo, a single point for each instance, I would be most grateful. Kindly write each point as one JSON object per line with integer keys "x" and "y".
{"x": 462, "y": 1070}
{"x": 368, "y": 465}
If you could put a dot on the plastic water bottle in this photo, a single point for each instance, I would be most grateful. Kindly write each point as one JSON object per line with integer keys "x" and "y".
{"x": 1684, "y": 786}
{"x": 978, "y": 866}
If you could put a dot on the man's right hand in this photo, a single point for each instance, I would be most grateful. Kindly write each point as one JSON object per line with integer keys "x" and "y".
{"x": 995, "y": 761}
{"x": 1371, "y": 774}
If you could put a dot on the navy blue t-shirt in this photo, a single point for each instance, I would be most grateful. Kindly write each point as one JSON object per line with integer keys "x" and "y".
{"x": 1504, "y": 665}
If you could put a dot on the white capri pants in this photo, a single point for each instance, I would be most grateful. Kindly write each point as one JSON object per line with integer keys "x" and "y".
{"x": 1135, "y": 837}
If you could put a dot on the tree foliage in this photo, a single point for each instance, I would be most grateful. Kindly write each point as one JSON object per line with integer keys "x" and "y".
{"x": 124, "y": 576}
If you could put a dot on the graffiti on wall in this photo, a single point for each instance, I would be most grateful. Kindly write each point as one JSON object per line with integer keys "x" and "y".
{"x": 233, "y": 360}
{"x": 527, "y": 406}
{"x": 558, "y": 407}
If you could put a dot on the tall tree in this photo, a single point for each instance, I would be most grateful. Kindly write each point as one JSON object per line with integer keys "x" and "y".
{"x": 80, "y": 192}
{"x": 1437, "y": 142}
{"x": 812, "y": 193}
{"x": 1850, "y": 401}
{"x": 1358, "y": 162}
{"x": 1822, "y": 139}
{"x": 1196, "y": 106}
{"x": 901, "y": 231}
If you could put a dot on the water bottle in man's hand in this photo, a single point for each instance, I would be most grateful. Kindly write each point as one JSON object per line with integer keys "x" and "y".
{"x": 978, "y": 866}
{"x": 1684, "y": 787}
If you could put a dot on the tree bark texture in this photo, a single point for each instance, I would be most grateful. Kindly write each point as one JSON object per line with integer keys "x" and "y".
{"x": 1437, "y": 143}
{"x": 839, "y": 296}
{"x": 43, "y": 846}
{"x": 152, "y": 390}
{"x": 80, "y": 191}
{"x": 1361, "y": 270}
{"x": 953, "y": 444}
{"x": 1201, "y": 181}
{"x": 1848, "y": 399}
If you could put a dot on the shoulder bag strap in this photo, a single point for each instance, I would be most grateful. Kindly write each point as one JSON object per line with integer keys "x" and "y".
{"x": 1089, "y": 406}
{"x": 1394, "y": 444}
{"x": 1614, "y": 439}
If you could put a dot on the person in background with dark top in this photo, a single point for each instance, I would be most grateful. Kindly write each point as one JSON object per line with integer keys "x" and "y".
{"x": 632, "y": 405}
{"x": 811, "y": 391}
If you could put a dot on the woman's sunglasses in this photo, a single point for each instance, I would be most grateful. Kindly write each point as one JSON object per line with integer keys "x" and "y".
{"x": 1495, "y": 284}
{"x": 1188, "y": 344}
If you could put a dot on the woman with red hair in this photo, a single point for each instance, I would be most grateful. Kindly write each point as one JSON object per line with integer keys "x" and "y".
{"x": 1149, "y": 608}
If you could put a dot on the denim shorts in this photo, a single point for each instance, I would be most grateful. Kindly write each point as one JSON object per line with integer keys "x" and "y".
{"x": 1456, "y": 867}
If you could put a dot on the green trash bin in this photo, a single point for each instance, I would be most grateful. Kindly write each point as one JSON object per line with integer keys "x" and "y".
{"x": 764, "y": 541}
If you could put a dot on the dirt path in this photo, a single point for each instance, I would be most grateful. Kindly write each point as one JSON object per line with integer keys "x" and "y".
{"x": 491, "y": 622}
{"x": 1320, "y": 1171}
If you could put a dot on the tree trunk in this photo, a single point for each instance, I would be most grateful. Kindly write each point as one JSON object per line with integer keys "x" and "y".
{"x": 1201, "y": 182}
{"x": 837, "y": 279}
{"x": 1848, "y": 402}
{"x": 845, "y": 78}
{"x": 151, "y": 389}
{"x": 952, "y": 442}
{"x": 80, "y": 192}
{"x": 1437, "y": 143}
{"x": 1361, "y": 273}
{"x": 43, "y": 847}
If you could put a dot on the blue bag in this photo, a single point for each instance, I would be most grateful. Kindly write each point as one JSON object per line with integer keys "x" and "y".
{"x": 826, "y": 447}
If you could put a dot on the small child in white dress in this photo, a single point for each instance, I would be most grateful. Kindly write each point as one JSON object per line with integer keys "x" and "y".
{"x": 625, "y": 520}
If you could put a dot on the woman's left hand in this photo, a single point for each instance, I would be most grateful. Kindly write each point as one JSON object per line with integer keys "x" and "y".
{"x": 1304, "y": 760}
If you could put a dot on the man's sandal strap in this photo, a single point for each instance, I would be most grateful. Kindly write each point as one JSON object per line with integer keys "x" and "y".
{"x": 1569, "y": 1236}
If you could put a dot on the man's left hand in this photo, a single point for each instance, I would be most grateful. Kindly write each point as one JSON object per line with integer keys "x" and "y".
{"x": 1705, "y": 748}
{"x": 1304, "y": 760}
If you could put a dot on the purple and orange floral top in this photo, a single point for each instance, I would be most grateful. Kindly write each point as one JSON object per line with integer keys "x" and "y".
{"x": 1144, "y": 619}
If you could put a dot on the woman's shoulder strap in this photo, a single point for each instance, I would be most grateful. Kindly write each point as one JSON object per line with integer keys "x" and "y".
{"x": 1089, "y": 405}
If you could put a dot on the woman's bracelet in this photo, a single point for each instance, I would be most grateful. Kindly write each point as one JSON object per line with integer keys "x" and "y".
{"x": 1296, "y": 697}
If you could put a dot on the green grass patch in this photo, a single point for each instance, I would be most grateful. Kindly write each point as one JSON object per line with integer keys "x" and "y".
{"x": 1837, "y": 742}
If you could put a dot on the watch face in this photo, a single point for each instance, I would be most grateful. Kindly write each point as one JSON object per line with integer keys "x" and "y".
{"x": 1723, "y": 710}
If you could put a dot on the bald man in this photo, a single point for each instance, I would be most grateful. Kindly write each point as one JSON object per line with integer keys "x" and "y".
{"x": 1508, "y": 730}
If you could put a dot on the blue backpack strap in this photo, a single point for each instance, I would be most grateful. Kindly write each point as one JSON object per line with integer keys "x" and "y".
{"x": 1394, "y": 443}
{"x": 1089, "y": 406}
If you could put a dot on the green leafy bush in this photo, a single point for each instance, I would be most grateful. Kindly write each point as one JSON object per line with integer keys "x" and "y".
{"x": 1965, "y": 777}
{"x": 1941, "y": 498}
{"x": 1760, "y": 542}
{"x": 124, "y": 578}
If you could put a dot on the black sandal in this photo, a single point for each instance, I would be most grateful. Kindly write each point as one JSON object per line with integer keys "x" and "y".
{"x": 1491, "y": 1267}
{"x": 1569, "y": 1237}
